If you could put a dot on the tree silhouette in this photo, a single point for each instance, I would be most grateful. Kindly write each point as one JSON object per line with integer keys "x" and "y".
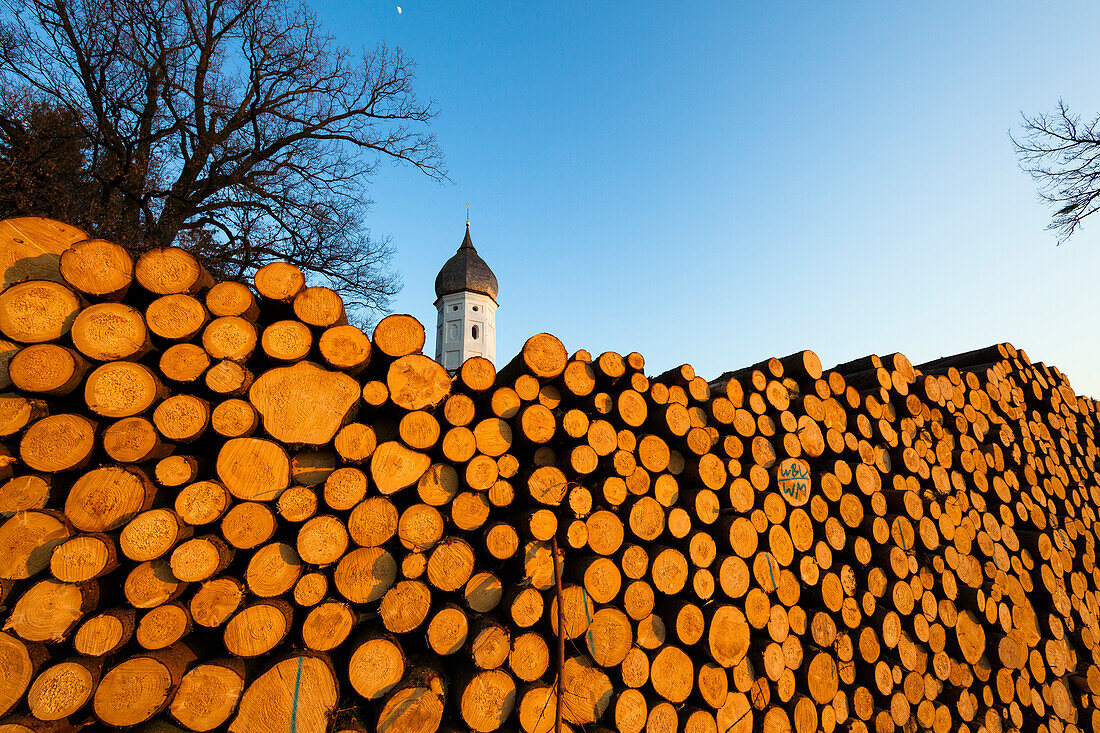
{"x": 1062, "y": 154}
{"x": 235, "y": 128}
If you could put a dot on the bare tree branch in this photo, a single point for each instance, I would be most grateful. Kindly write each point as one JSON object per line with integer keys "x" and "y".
{"x": 1062, "y": 154}
{"x": 234, "y": 127}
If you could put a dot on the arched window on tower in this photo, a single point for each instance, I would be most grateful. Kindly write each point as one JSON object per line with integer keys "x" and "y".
{"x": 473, "y": 332}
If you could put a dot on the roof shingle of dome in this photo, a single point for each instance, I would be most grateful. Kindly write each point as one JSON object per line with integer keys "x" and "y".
{"x": 466, "y": 271}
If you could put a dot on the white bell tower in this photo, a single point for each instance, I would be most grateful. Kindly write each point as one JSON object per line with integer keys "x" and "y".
{"x": 466, "y": 306}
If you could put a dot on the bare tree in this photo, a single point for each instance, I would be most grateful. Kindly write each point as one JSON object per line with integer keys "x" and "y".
{"x": 1062, "y": 154}
{"x": 233, "y": 127}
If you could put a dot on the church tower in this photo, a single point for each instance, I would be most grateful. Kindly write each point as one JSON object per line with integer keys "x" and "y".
{"x": 466, "y": 303}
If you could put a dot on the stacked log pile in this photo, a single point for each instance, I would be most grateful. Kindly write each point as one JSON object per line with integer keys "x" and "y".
{"x": 223, "y": 507}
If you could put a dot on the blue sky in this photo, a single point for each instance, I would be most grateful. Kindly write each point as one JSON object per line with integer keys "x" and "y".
{"x": 718, "y": 183}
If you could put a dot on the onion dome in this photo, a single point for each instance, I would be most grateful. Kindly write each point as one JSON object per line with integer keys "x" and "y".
{"x": 466, "y": 271}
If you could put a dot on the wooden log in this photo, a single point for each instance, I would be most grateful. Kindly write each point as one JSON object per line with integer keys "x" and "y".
{"x": 47, "y": 369}
{"x": 273, "y": 570}
{"x": 586, "y": 691}
{"x": 38, "y": 311}
{"x": 234, "y": 418}
{"x": 229, "y": 337}
{"x": 231, "y": 298}
{"x": 184, "y": 363}
{"x": 287, "y": 341}
{"x": 487, "y": 699}
{"x": 253, "y": 469}
{"x": 365, "y": 574}
{"x": 248, "y": 524}
{"x": 477, "y": 374}
{"x": 83, "y": 558}
{"x": 64, "y": 688}
{"x": 163, "y": 626}
{"x": 373, "y": 522}
{"x": 17, "y": 412}
{"x": 448, "y": 630}
{"x": 29, "y": 538}
{"x": 501, "y": 540}
{"x": 273, "y": 703}
{"x": 537, "y": 424}
{"x": 376, "y": 666}
{"x": 489, "y": 644}
{"x": 152, "y": 534}
{"x": 529, "y": 658}
{"x": 538, "y": 708}
{"x": 200, "y": 558}
{"x": 32, "y": 246}
{"x": 310, "y": 589}
{"x": 258, "y": 628}
{"x": 394, "y": 467}
{"x": 450, "y": 564}
{"x": 821, "y": 678}
{"x": 297, "y": 504}
{"x": 327, "y": 625}
{"x": 420, "y": 430}
{"x": 543, "y": 356}
{"x": 412, "y": 709}
{"x": 202, "y": 502}
{"x": 320, "y": 307}
{"x": 547, "y": 485}
{"x": 151, "y": 584}
{"x": 322, "y": 540}
{"x": 355, "y": 442}
{"x": 105, "y": 633}
{"x": 970, "y": 636}
{"x": 631, "y": 711}
{"x": 669, "y": 570}
{"x": 344, "y": 488}
{"x": 140, "y": 687}
{"x": 228, "y": 378}
{"x": 277, "y": 396}
{"x": 50, "y": 610}
{"x": 24, "y": 493}
{"x": 20, "y": 663}
{"x": 208, "y": 694}
{"x": 58, "y": 443}
{"x": 176, "y": 317}
{"x": 279, "y": 281}
{"x": 176, "y": 470}
{"x": 345, "y": 348}
{"x": 216, "y": 601}
{"x": 134, "y": 440}
{"x": 459, "y": 445}
{"x": 106, "y": 498}
{"x": 165, "y": 270}
{"x": 609, "y": 637}
{"x": 416, "y": 382}
{"x": 470, "y": 509}
{"x": 182, "y": 418}
{"x": 122, "y": 389}
{"x": 458, "y": 410}
{"x": 398, "y": 335}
